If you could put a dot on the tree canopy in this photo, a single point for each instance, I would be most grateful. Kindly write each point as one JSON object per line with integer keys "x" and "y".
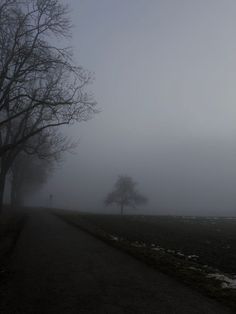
{"x": 125, "y": 194}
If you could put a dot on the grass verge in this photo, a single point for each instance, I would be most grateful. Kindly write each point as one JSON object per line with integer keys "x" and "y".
{"x": 187, "y": 271}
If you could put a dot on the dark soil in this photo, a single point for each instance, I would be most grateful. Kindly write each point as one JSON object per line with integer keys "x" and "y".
{"x": 137, "y": 235}
{"x": 213, "y": 240}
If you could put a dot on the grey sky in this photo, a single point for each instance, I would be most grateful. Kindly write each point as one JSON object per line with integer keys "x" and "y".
{"x": 165, "y": 82}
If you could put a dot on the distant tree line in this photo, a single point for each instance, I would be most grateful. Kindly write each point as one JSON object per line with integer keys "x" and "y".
{"x": 41, "y": 89}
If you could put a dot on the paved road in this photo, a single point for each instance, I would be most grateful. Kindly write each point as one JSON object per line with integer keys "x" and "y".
{"x": 57, "y": 268}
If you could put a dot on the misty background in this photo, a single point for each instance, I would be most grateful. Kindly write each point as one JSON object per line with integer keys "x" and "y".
{"x": 165, "y": 77}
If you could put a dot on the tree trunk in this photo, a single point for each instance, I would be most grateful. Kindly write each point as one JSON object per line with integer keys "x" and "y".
{"x": 13, "y": 196}
{"x": 16, "y": 198}
{"x": 2, "y": 187}
{"x": 6, "y": 162}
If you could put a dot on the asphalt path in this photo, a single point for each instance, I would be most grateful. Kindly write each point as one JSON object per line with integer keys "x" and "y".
{"x": 57, "y": 268}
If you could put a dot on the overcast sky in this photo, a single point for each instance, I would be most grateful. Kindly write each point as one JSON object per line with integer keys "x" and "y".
{"x": 165, "y": 81}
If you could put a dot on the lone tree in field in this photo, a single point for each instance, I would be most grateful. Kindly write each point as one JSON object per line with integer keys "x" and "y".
{"x": 125, "y": 194}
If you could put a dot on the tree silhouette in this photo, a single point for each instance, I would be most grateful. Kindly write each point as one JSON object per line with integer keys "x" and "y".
{"x": 125, "y": 194}
{"x": 41, "y": 88}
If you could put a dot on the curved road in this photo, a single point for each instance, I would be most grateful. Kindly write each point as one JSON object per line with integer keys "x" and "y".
{"x": 57, "y": 268}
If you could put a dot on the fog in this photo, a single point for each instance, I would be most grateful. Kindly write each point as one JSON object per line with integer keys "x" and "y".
{"x": 165, "y": 76}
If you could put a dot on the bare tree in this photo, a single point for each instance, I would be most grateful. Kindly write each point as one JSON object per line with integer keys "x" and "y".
{"x": 125, "y": 194}
{"x": 28, "y": 174}
{"x": 40, "y": 87}
{"x": 38, "y": 79}
{"x": 48, "y": 144}
{"x": 35, "y": 162}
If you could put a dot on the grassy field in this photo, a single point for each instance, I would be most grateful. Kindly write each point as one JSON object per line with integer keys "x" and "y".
{"x": 208, "y": 241}
{"x": 199, "y": 251}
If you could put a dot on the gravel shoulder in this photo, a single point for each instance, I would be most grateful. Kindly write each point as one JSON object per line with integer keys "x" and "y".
{"x": 56, "y": 268}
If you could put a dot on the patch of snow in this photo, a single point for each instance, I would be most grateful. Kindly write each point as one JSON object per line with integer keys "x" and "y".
{"x": 157, "y": 248}
{"x": 171, "y": 251}
{"x": 114, "y": 238}
{"x": 180, "y": 254}
{"x": 226, "y": 282}
{"x": 138, "y": 244}
{"x": 193, "y": 256}
{"x": 195, "y": 268}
